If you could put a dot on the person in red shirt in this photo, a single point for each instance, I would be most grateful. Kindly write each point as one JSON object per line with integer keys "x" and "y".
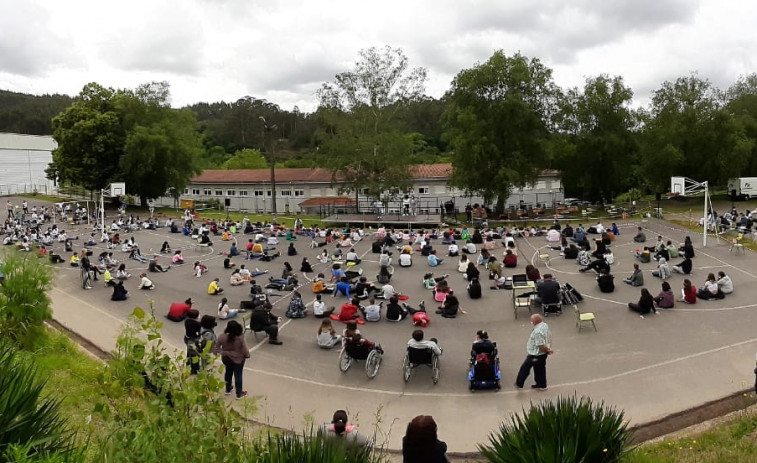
{"x": 510, "y": 260}
{"x": 349, "y": 311}
{"x": 688, "y": 293}
{"x": 179, "y": 310}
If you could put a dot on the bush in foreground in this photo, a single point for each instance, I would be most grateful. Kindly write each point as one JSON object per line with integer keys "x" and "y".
{"x": 563, "y": 430}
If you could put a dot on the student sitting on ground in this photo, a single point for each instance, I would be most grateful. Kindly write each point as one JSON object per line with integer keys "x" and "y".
{"x": 326, "y": 338}
{"x": 319, "y": 308}
{"x": 145, "y": 282}
{"x": 605, "y": 281}
{"x": 214, "y": 288}
{"x": 666, "y": 299}
{"x": 688, "y": 292}
{"x": 724, "y": 283}
{"x": 710, "y": 289}
{"x": 636, "y": 278}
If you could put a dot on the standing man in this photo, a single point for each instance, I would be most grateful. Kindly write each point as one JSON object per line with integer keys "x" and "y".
{"x": 378, "y": 208}
{"x": 537, "y": 348}
{"x": 25, "y": 207}
{"x": 9, "y": 207}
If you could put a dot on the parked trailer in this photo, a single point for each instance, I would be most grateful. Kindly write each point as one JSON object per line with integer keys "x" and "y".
{"x": 742, "y": 188}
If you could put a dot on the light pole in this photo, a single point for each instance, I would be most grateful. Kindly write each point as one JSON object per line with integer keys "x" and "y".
{"x": 272, "y": 161}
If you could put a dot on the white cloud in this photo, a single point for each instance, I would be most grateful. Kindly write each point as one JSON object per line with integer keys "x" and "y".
{"x": 282, "y": 51}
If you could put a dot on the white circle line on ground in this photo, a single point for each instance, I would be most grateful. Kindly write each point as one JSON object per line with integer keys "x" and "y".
{"x": 425, "y": 394}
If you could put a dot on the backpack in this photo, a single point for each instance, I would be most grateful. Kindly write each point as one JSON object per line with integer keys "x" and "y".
{"x": 474, "y": 289}
{"x": 483, "y": 359}
{"x": 421, "y": 319}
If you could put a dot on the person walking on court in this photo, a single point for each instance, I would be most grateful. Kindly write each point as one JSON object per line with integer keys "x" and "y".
{"x": 537, "y": 348}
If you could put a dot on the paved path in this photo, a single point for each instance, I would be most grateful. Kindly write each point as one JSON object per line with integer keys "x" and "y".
{"x": 650, "y": 368}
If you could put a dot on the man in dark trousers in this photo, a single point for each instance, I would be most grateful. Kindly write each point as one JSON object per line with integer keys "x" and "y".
{"x": 261, "y": 319}
{"x": 537, "y": 349}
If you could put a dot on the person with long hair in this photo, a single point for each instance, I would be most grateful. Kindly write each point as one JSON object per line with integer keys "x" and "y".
{"x": 234, "y": 351}
{"x": 688, "y": 292}
{"x": 326, "y": 336}
{"x": 666, "y": 299}
{"x": 645, "y": 304}
{"x": 421, "y": 443}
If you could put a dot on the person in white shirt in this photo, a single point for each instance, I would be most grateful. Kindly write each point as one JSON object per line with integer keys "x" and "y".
{"x": 385, "y": 260}
{"x": 417, "y": 342}
{"x": 453, "y": 250}
{"x": 406, "y": 260}
{"x": 319, "y": 308}
{"x": 326, "y": 336}
{"x": 272, "y": 241}
{"x": 387, "y": 291}
{"x": 224, "y": 312}
{"x": 600, "y": 228}
{"x": 724, "y": 283}
{"x": 372, "y": 312}
{"x": 470, "y": 248}
{"x": 145, "y": 283}
{"x": 351, "y": 256}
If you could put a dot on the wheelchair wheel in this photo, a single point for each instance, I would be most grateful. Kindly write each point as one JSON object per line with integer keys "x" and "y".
{"x": 373, "y": 363}
{"x": 435, "y": 370}
{"x": 407, "y": 369}
{"x": 344, "y": 361}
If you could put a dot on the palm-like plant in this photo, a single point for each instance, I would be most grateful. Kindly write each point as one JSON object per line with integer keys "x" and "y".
{"x": 311, "y": 447}
{"x": 564, "y": 430}
{"x": 27, "y": 419}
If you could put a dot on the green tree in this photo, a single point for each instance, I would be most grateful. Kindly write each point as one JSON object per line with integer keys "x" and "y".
{"x": 128, "y": 135}
{"x": 498, "y": 122}
{"x": 246, "y": 159}
{"x": 742, "y": 106}
{"x": 361, "y": 133}
{"x": 24, "y": 303}
{"x": 689, "y": 132}
{"x": 599, "y": 123}
{"x": 90, "y": 139}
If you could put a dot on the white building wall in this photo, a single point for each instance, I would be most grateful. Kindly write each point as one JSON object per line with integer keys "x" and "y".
{"x": 23, "y": 160}
{"x": 430, "y": 195}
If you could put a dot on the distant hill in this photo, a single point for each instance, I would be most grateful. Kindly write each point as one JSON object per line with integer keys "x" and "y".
{"x": 30, "y": 114}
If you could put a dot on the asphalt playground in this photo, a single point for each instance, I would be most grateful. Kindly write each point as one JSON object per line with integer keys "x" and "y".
{"x": 648, "y": 367}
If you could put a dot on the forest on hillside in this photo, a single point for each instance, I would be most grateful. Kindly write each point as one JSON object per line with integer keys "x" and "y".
{"x": 500, "y": 123}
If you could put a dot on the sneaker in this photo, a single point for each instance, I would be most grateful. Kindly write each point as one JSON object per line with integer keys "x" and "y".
{"x": 275, "y": 342}
{"x": 360, "y": 271}
{"x": 517, "y": 387}
{"x": 439, "y": 311}
{"x": 226, "y": 392}
{"x": 445, "y": 276}
{"x": 422, "y": 306}
{"x": 534, "y": 386}
{"x": 242, "y": 395}
{"x": 257, "y": 270}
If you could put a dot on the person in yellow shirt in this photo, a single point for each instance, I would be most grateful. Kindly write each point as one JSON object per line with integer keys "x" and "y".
{"x": 74, "y": 260}
{"x": 319, "y": 287}
{"x": 214, "y": 288}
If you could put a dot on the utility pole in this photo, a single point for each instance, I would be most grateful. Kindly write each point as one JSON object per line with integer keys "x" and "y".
{"x": 272, "y": 161}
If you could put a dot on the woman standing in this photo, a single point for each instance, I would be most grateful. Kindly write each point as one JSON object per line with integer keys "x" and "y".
{"x": 234, "y": 351}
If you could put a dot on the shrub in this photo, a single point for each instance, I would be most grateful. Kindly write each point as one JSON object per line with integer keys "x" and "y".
{"x": 30, "y": 425}
{"x": 310, "y": 447}
{"x": 565, "y": 430}
{"x": 24, "y": 304}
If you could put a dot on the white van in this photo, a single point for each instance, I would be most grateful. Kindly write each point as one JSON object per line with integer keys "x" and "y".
{"x": 742, "y": 188}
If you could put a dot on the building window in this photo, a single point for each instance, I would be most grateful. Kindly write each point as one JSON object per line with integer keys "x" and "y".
{"x": 259, "y": 193}
{"x": 219, "y": 192}
{"x": 231, "y": 192}
{"x": 364, "y": 191}
{"x": 268, "y": 192}
{"x": 423, "y": 190}
{"x": 286, "y": 192}
{"x": 207, "y": 192}
{"x": 196, "y": 192}
{"x": 186, "y": 191}
{"x": 299, "y": 192}
{"x": 243, "y": 193}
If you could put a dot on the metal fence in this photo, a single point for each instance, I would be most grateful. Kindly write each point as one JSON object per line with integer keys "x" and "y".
{"x": 25, "y": 188}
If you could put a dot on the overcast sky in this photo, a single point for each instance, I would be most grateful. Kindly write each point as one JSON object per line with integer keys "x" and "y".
{"x": 210, "y": 50}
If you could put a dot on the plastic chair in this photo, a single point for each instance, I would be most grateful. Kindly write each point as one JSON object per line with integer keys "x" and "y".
{"x": 521, "y": 300}
{"x": 736, "y": 244}
{"x": 584, "y": 318}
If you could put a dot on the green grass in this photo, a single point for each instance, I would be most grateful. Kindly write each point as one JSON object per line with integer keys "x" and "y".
{"x": 733, "y": 441}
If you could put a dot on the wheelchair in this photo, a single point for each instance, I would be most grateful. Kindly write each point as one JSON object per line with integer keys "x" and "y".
{"x": 420, "y": 356}
{"x": 356, "y": 351}
{"x": 485, "y": 375}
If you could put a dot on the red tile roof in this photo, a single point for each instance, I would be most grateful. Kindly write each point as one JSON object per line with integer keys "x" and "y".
{"x": 317, "y": 175}
{"x": 328, "y": 201}
{"x": 302, "y": 174}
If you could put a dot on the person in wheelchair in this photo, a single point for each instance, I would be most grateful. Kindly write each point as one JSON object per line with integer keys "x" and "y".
{"x": 356, "y": 345}
{"x": 482, "y": 345}
{"x": 417, "y": 342}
